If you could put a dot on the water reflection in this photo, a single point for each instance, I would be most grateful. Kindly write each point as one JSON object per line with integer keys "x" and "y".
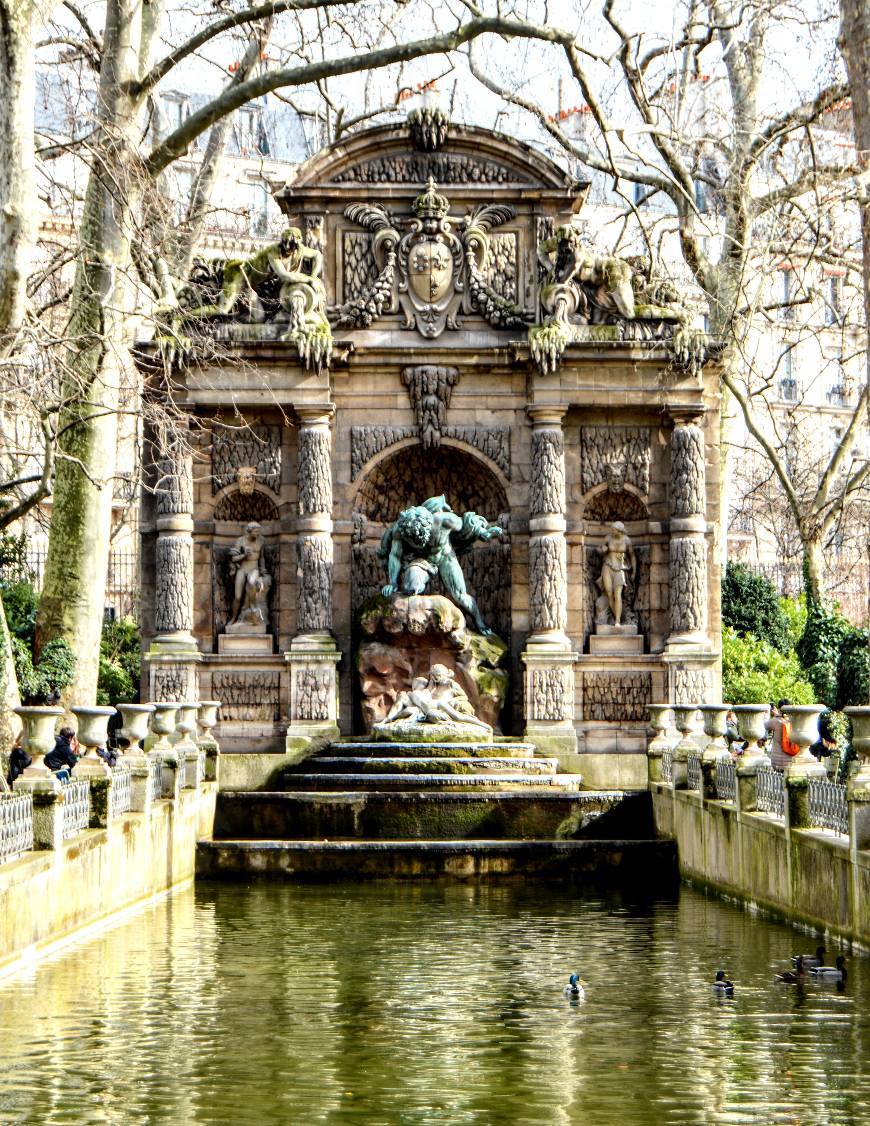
{"x": 430, "y": 1004}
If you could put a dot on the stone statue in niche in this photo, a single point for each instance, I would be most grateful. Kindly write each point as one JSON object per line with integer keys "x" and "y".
{"x": 438, "y": 699}
{"x": 427, "y": 540}
{"x": 618, "y": 569}
{"x": 251, "y": 583}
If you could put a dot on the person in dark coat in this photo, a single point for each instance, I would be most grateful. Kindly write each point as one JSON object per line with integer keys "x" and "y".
{"x": 62, "y": 756}
{"x": 19, "y": 760}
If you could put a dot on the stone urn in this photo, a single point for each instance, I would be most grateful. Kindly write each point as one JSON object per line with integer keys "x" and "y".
{"x": 163, "y": 725}
{"x": 860, "y": 718}
{"x": 207, "y": 718}
{"x": 715, "y": 726}
{"x": 752, "y": 724}
{"x": 684, "y": 721}
{"x": 185, "y": 725}
{"x": 37, "y": 737}
{"x": 659, "y": 720}
{"x": 92, "y": 731}
{"x": 803, "y": 722}
{"x": 137, "y": 723}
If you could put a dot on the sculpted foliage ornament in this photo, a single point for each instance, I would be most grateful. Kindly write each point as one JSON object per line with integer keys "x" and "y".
{"x": 435, "y": 271}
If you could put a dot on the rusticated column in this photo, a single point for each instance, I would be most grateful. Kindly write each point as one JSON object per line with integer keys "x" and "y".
{"x": 688, "y": 545}
{"x": 548, "y": 658}
{"x": 313, "y": 655}
{"x": 173, "y": 654}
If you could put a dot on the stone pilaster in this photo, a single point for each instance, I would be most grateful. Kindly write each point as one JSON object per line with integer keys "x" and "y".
{"x": 688, "y": 544}
{"x": 548, "y": 657}
{"x": 173, "y": 656}
{"x": 313, "y": 655}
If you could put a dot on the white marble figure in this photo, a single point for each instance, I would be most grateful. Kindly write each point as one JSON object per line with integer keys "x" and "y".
{"x": 251, "y": 580}
{"x": 617, "y": 565}
{"x": 436, "y": 700}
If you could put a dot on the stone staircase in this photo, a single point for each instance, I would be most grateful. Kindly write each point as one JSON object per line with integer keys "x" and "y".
{"x": 364, "y": 809}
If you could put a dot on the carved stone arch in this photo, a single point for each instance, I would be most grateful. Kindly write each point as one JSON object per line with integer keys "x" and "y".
{"x": 233, "y": 505}
{"x": 601, "y": 504}
{"x": 407, "y": 474}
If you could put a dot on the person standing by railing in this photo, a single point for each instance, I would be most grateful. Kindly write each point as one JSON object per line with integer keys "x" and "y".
{"x": 780, "y": 744}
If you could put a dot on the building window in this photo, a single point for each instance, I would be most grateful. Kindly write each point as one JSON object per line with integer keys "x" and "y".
{"x": 641, "y": 193}
{"x": 176, "y": 110}
{"x": 251, "y": 132}
{"x": 788, "y": 388}
{"x": 701, "y": 201}
{"x": 784, "y": 295}
{"x": 834, "y": 301}
{"x": 258, "y": 211}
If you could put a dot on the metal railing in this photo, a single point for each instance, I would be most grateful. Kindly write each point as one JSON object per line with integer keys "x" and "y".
{"x": 667, "y": 767}
{"x": 16, "y": 825}
{"x": 693, "y": 772}
{"x": 155, "y": 779}
{"x": 726, "y": 780}
{"x": 770, "y": 791}
{"x": 122, "y": 791}
{"x": 76, "y": 807}
{"x": 828, "y": 808}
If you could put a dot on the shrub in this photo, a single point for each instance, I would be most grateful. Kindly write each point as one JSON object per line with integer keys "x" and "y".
{"x": 53, "y": 672}
{"x": 834, "y": 654}
{"x": 120, "y": 662}
{"x": 754, "y": 672}
{"x": 20, "y": 601}
{"x": 795, "y": 611}
{"x": 750, "y": 605}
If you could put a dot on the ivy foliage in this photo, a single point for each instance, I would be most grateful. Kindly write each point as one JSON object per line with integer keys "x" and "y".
{"x": 835, "y": 656}
{"x": 42, "y": 682}
{"x": 751, "y": 606}
{"x": 120, "y": 662}
{"x": 755, "y": 672}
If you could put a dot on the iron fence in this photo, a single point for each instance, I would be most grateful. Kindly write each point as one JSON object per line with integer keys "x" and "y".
{"x": 726, "y": 780}
{"x": 693, "y": 772}
{"x": 122, "y": 582}
{"x": 16, "y": 825}
{"x": 667, "y": 767}
{"x": 122, "y": 792}
{"x": 770, "y": 791}
{"x": 76, "y": 807}
{"x": 828, "y": 808}
{"x": 155, "y": 779}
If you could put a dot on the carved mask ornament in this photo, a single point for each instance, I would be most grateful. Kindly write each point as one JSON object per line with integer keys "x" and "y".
{"x": 246, "y": 475}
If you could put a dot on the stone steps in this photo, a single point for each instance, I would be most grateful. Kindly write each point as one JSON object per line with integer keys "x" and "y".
{"x": 430, "y": 782}
{"x": 330, "y": 764}
{"x": 506, "y": 748}
{"x": 648, "y": 863}
{"x": 424, "y": 814}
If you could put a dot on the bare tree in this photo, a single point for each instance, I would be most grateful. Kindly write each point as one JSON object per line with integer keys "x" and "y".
{"x": 746, "y": 188}
{"x": 131, "y": 58}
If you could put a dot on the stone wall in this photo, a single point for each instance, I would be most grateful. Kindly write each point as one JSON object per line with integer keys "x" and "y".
{"x": 47, "y": 896}
{"x": 805, "y": 876}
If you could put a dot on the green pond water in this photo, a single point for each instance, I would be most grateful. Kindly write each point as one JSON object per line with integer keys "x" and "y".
{"x": 429, "y": 1004}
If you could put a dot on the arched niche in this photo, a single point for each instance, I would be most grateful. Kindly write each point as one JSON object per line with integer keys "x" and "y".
{"x": 410, "y": 474}
{"x": 241, "y": 507}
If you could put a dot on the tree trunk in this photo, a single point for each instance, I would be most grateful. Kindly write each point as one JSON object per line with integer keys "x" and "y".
{"x": 17, "y": 184}
{"x": 73, "y": 596}
{"x": 10, "y": 724}
{"x": 813, "y": 567}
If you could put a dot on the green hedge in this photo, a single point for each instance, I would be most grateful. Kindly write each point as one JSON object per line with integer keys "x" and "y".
{"x": 751, "y": 606}
{"x": 755, "y": 672}
{"x": 835, "y": 656}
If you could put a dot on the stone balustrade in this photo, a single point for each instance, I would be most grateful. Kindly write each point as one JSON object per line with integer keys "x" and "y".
{"x": 42, "y": 812}
{"x": 793, "y": 841}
